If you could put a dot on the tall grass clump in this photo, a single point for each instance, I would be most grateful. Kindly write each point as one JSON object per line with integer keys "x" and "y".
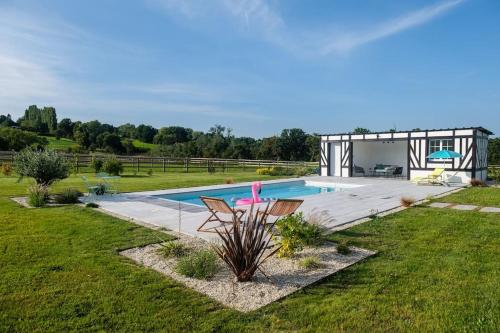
{"x": 407, "y": 201}
{"x": 68, "y": 196}
{"x": 477, "y": 182}
{"x": 38, "y": 195}
{"x": 199, "y": 265}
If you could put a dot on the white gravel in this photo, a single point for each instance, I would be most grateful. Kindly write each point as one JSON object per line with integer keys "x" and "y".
{"x": 285, "y": 275}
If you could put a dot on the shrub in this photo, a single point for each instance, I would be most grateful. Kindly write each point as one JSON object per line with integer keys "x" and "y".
{"x": 38, "y": 195}
{"x": 174, "y": 250}
{"x": 6, "y": 169}
{"x": 343, "y": 247}
{"x": 290, "y": 229}
{"x": 229, "y": 181}
{"x": 92, "y": 205}
{"x": 96, "y": 164}
{"x": 495, "y": 174}
{"x": 45, "y": 167}
{"x": 198, "y": 265}
{"x": 113, "y": 166}
{"x": 68, "y": 196}
{"x": 150, "y": 172}
{"x": 407, "y": 201}
{"x": 477, "y": 182}
{"x": 263, "y": 171}
{"x": 243, "y": 247}
{"x": 294, "y": 232}
{"x": 310, "y": 263}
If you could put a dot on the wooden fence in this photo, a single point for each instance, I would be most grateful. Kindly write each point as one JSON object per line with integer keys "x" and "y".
{"x": 82, "y": 163}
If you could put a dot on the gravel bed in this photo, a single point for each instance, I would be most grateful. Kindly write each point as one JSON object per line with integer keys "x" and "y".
{"x": 285, "y": 275}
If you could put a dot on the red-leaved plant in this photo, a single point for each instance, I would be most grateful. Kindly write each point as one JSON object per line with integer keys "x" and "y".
{"x": 243, "y": 247}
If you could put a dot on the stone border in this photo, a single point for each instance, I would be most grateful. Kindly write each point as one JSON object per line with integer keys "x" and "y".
{"x": 285, "y": 275}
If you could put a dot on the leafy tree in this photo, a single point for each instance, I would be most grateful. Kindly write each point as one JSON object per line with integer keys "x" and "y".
{"x": 312, "y": 143}
{"x": 494, "y": 151}
{"x": 145, "y": 133}
{"x": 44, "y": 166}
{"x": 6, "y": 121}
{"x": 268, "y": 149}
{"x": 15, "y": 139}
{"x": 171, "y": 135}
{"x": 110, "y": 142}
{"x": 292, "y": 145}
{"x": 127, "y": 131}
{"x": 42, "y": 121}
{"x": 66, "y": 127}
{"x": 361, "y": 130}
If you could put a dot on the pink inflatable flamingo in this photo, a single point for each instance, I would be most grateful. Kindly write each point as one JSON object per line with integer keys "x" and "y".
{"x": 256, "y": 188}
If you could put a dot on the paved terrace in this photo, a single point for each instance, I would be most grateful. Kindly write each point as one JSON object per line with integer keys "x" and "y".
{"x": 345, "y": 206}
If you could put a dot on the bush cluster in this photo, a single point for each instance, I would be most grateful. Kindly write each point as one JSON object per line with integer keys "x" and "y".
{"x": 174, "y": 250}
{"x": 310, "y": 263}
{"x": 294, "y": 232}
{"x": 198, "y": 265}
{"x": 113, "y": 166}
{"x": 45, "y": 167}
{"x": 6, "y": 169}
{"x": 343, "y": 247}
{"x": 284, "y": 171}
{"x": 68, "y": 196}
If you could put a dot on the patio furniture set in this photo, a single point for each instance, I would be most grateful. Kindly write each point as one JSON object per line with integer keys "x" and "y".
{"x": 217, "y": 207}
{"x": 106, "y": 184}
{"x": 380, "y": 170}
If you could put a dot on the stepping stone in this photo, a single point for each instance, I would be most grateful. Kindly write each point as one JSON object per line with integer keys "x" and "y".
{"x": 464, "y": 207}
{"x": 439, "y": 205}
{"x": 490, "y": 210}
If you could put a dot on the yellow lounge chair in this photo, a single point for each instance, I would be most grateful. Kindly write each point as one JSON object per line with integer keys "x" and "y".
{"x": 435, "y": 177}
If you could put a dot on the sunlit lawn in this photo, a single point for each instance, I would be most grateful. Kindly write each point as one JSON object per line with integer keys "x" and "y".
{"x": 436, "y": 270}
{"x": 489, "y": 196}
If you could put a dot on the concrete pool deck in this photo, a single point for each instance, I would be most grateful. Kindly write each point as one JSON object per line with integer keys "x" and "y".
{"x": 345, "y": 207}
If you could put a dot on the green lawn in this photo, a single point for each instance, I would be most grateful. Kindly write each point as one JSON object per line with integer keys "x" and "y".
{"x": 9, "y": 186}
{"x": 145, "y": 145}
{"x": 435, "y": 270}
{"x": 61, "y": 144}
{"x": 489, "y": 196}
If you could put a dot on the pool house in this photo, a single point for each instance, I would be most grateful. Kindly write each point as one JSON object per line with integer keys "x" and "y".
{"x": 403, "y": 154}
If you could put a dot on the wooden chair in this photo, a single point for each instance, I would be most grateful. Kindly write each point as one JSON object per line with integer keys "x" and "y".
{"x": 282, "y": 207}
{"x": 218, "y": 206}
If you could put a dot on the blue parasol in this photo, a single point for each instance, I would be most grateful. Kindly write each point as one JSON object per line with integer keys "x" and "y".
{"x": 445, "y": 154}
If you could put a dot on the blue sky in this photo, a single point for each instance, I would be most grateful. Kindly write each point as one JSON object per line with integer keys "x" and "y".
{"x": 253, "y": 65}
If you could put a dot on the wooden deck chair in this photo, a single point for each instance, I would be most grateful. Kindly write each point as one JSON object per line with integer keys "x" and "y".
{"x": 432, "y": 178}
{"x": 282, "y": 207}
{"x": 218, "y": 206}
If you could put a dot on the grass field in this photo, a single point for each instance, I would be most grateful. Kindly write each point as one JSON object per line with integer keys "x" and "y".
{"x": 144, "y": 145}
{"x": 61, "y": 144}
{"x": 476, "y": 196}
{"x": 436, "y": 270}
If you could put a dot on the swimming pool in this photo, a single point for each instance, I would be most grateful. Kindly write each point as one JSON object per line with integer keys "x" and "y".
{"x": 285, "y": 190}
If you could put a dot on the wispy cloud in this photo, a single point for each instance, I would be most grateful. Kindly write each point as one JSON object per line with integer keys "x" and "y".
{"x": 267, "y": 21}
{"x": 349, "y": 41}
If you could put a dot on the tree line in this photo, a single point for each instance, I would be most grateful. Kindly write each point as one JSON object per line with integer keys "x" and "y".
{"x": 173, "y": 141}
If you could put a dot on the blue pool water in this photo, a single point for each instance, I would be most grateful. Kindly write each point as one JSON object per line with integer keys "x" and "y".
{"x": 282, "y": 190}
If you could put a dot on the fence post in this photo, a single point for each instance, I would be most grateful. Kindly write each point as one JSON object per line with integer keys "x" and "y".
{"x": 186, "y": 164}
{"x": 163, "y": 162}
{"x": 77, "y": 165}
{"x": 137, "y": 166}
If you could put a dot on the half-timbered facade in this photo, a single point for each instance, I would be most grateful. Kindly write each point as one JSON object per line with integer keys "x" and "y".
{"x": 348, "y": 155}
